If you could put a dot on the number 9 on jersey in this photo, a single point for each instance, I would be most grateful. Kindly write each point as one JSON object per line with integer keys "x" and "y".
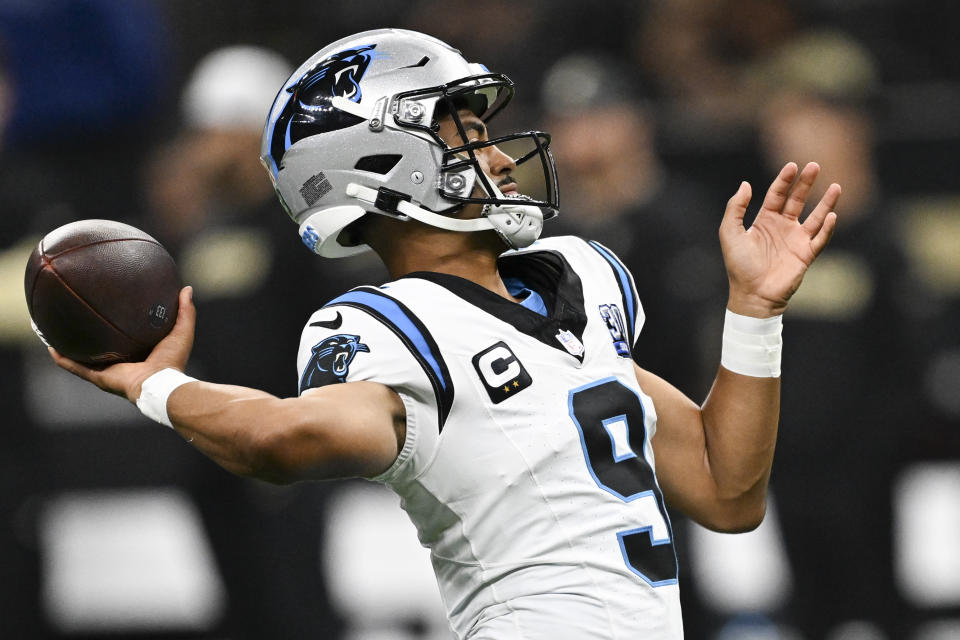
{"x": 610, "y": 419}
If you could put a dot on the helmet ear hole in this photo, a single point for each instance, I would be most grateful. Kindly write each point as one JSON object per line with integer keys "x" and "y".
{"x": 320, "y": 230}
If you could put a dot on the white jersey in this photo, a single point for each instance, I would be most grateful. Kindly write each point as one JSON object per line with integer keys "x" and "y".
{"x": 527, "y": 466}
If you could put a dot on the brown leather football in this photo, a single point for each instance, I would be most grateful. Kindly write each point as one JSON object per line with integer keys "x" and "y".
{"x": 101, "y": 291}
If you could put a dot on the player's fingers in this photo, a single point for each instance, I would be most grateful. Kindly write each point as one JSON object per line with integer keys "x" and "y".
{"x": 820, "y": 240}
{"x": 827, "y": 204}
{"x": 736, "y": 208}
{"x": 801, "y": 190}
{"x": 186, "y": 306}
{"x": 73, "y": 366}
{"x": 174, "y": 350}
{"x": 779, "y": 188}
{"x": 186, "y": 316}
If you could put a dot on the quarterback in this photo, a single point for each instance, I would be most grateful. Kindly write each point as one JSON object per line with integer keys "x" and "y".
{"x": 492, "y": 383}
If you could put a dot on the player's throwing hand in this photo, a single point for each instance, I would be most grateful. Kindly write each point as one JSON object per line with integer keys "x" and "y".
{"x": 124, "y": 379}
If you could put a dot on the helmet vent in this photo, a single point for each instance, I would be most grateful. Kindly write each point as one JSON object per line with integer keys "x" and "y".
{"x": 381, "y": 164}
{"x": 423, "y": 61}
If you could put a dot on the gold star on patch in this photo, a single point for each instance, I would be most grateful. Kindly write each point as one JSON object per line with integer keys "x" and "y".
{"x": 516, "y": 384}
{"x": 506, "y": 389}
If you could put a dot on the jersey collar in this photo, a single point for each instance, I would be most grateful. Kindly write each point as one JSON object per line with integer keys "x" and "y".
{"x": 546, "y": 272}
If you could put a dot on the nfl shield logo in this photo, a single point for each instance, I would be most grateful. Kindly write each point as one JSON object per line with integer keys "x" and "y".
{"x": 570, "y": 342}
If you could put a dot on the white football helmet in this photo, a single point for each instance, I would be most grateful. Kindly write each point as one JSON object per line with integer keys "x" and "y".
{"x": 353, "y": 131}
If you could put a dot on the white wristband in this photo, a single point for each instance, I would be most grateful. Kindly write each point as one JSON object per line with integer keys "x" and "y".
{"x": 155, "y": 391}
{"x": 752, "y": 346}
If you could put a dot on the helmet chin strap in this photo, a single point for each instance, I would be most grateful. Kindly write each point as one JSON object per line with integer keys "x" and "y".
{"x": 519, "y": 225}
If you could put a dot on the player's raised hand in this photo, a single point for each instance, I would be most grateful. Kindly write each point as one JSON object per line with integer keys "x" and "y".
{"x": 124, "y": 378}
{"x": 766, "y": 263}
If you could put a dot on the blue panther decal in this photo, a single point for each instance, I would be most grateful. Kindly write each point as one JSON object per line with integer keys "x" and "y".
{"x": 331, "y": 360}
{"x": 338, "y": 75}
{"x": 309, "y": 110}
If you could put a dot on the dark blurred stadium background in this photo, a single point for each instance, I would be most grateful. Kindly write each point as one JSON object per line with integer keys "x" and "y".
{"x": 111, "y": 527}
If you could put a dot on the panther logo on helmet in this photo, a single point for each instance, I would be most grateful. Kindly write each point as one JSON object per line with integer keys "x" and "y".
{"x": 331, "y": 360}
{"x": 308, "y": 111}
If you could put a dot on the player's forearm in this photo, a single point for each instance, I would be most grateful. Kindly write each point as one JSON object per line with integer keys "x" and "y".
{"x": 339, "y": 431}
{"x": 740, "y": 419}
{"x": 229, "y": 424}
{"x": 741, "y": 413}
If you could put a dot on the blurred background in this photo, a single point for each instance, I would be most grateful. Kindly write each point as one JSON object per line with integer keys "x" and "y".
{"x": 150, "y": 112}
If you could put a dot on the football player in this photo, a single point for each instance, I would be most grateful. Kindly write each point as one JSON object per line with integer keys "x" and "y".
{"x": 492, "y": 383}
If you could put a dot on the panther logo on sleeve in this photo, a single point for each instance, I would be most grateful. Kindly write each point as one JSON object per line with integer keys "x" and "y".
{"x": 331, "y": 360}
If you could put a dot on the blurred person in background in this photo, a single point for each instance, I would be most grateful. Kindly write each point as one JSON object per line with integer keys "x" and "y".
{"x": 849, "y": 346}
{"x": 207, "y": 200}
{"x": 692, "y": 55}
{"x": 468, "y": 21}
{"x": 539, "y": 30}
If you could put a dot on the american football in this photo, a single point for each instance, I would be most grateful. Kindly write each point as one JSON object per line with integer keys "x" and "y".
{"x": 101, "y": 291}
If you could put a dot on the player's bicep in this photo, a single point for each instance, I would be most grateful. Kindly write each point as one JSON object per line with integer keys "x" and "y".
{"x": 679, "y": 446}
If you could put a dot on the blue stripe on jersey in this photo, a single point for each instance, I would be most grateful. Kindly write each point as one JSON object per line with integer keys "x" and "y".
{"x": 630, "y": 297}
{"x": 412, "y": 333}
